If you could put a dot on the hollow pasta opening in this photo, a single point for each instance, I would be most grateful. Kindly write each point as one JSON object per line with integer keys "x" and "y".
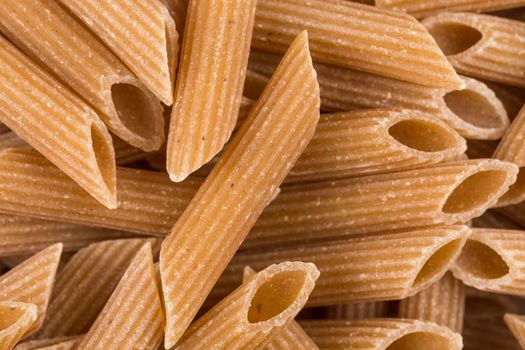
{"x": 423, "y": 135}
{"x": 475, "y": 191}
{"x": 104, "y": 157}
{"x": 438, "y": 262}
{"x": 454, "y": 38}
{"x": 474, "y": 108}
{"x": 482, "y": 261}
{"x": 517, "y": 189}
{"x": 9, "y": 315}
{"x": 421, "y": 340}
{"x": 275, "y": 295}
{"x": 134, "y": 109}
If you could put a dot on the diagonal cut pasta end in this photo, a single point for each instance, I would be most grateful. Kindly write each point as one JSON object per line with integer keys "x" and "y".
{"x": 15, "y": 320}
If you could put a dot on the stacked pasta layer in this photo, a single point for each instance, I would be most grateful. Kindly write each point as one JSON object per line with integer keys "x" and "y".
{"x": 262, "y": 174}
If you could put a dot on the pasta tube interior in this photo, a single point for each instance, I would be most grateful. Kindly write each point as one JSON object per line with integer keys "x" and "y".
{"x": 15, "y": 320}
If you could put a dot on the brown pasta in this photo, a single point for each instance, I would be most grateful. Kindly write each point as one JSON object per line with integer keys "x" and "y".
{"x": 228, "y": 203}
{"x": 512, "y": 97}
{"x": 340, "y": 34}
{"x": 516, "y": 324}
{"x": 440, "y": 194}
{"x": 483, "y": 46}
{"x": 15, "y": 320}
{"x": 358, "y": 311}
{"x": 485, "y": 305}
{"x": 85, "y": 284}
{"x": 201, "y": 123}
{"x": 140, "y": 32}
{"x": 381, "y": 334}
{"x": 475, "y": 111}
{"x": 493, "y": 219}
{"x": 11, "y": 140}
{"x": 56, "y": 123}
{"x": 58, "y": 343}
{"x": 442, "y": 303}
{"x": 383, "y": 267}
{"x": 488, "y": 334}
{"x": 256, "y": 311}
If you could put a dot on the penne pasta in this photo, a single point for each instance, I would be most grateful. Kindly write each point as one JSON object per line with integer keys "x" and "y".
{"x": 423, "y": 8}
{"x": 57, "y": 124}
{"x": 339, "y": 33}
{"x": 202, "y": 120}
{"x": 516, "y": 324}
{"x": 149, "y": 202}
{"x": 15, "y": 320}
{"x": 384, "y": 267}
{"x": 483, "y": 46}
{"x": 85, "y": 284}
{"x": 53, "y": 38}
{"x": 446, "y": 193}
{"x": 244, "y": 181}
{"x": 358, "y": 311}
{"x": 59, "y": 343}
{"x": 133, "y": 316}
{"x": 32, "y": 282}
{"x": 491, "y": 261}
{"x": 494, "y": 219}
{"x": 256, "y": 311}
{"x": 442, "y": 303}
{"x": 9, "y": 139}
{"x": 141, "y": 33}
{"x": 475, "y": 111}
{"x": 381, "y": 334}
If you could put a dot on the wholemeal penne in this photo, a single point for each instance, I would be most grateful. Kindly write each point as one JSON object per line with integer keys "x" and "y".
{"x": 133, "y": 317}
{"x": 516, "y": 324}
{"x": 442, "y": 303}
{"x": 255, "y": 312}
{"x": 244, "y": 181}
{"x": 492, "y": 261}
{"x": 202, "y": 120}
{"x": 148, "y": 201}
{"x": 493, "y": 219}
{"x": 56, "y": 123}
{"x": 140, "y": 32}
{"x": 58, "y": 343}
{"x": 358, "y": 311}
{"x": 374, "y": 141}
{"x": 85, "y": 284}
{"x": 340, "y": 34}
{"x": 32, "y": 282}
{"x": 381, "y": 334}
{"x": 422, "y": 8}
{"x": 54, "y": 38}
{"x": 15, "y": 320}
{"x": 512, "y": 97}
{"x": 488, "y": 334}
{"x": 9, "y": 139}
{"x": 178, "y": 10}
{"x": 382, "y": 267}
{"x": 475, "y": 111}
{"x": 483, "y": 46}
{"x": 439, "y": 194}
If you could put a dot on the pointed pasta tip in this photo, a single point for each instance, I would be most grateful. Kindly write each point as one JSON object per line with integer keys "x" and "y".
{"x": 178, "y": 177}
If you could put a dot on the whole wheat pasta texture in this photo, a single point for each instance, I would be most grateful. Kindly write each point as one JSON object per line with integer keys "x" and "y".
{"x": 232, "y": 197}
{"x": 516, "y": 324}
{"x": 358, "y": 311}
{"x": 483, "y": 46}
{"x": 203, "y": 119}
{"x": 15, "y": 320}
{"x": 256, "y": 311}
{"x": 52, "y": 37}
{"x": 381, "y": 334}
{"x": 356, "y": 36}
{"x": 445, "y": 193}
{"x": 140, "y": 32}
{"x": 442, "y": 303}
{"x": 57, "y": 124}
{"x": 58, "y": 343}
{"x": 32, "y": 282}
{"x": 383, "y": 267}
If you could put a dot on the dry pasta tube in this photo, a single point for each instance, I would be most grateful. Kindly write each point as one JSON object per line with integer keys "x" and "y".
{"x": 133, "y": 317}
{"x": 203, "y": 119}
{"x": 442, "y": 303}
{"x": 375, "y": 141}
{"x": 149, "y": 202}
{"x": 383, "y": 267}
{"x": 381, "y": 334}
{"x": 140, "y": 32}
{"x": 445, "y": 193}
{"x": 483, "y": 46}
{"x": 492, "y": 261}
{"x": 512, "y": 149}
{"x": 494, "y": 219}
{"x": 32, "y": 282}
{"x": 15, "y": 320}
{"x": 358, "y": 311}
{"x": 256, "y": 311}
{"x": 53, "y": 38}
{"x": 178, "y": 10}
{"x": 85, "y": 284}
{"x": 340, "y": 34}
{"x": 58, "y": 343}
{"x": 57, "y": 123}
{"x": 423, "y": 8}
{"x": 245, "y": 180}
{"x": 516, "y": 324}
{"x": 475, "y": 111}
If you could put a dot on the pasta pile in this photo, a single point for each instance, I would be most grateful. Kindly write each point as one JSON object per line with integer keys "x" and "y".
{"x": 262, "y": 174}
